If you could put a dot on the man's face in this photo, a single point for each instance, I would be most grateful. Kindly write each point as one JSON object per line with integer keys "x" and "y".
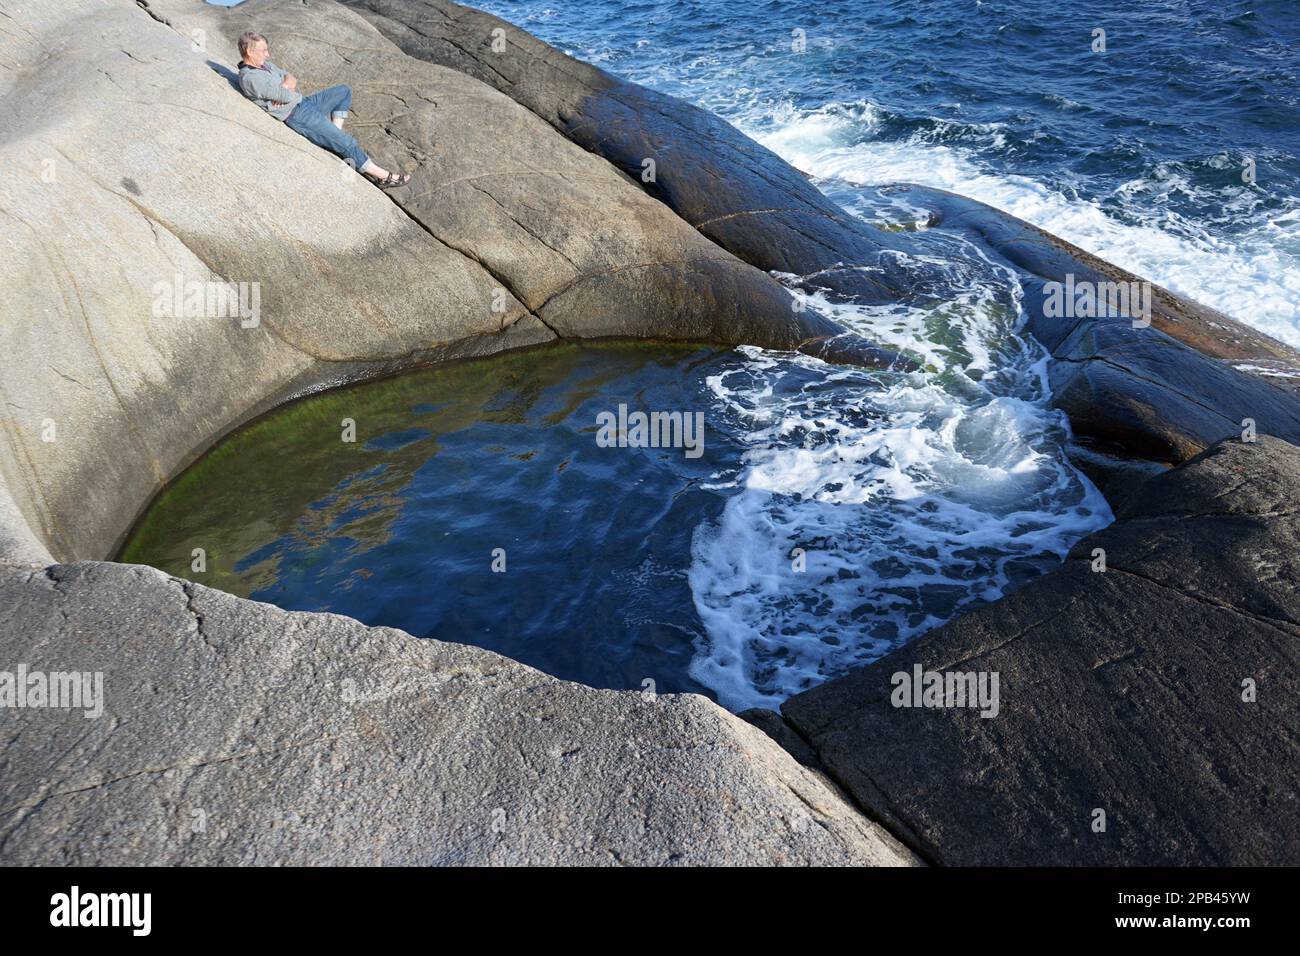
{"x": 257, "y": 54}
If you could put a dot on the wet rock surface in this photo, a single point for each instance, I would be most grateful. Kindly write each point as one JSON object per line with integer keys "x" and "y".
{"x": 1162, "y": 390}
{"x": 1161, "y": 692}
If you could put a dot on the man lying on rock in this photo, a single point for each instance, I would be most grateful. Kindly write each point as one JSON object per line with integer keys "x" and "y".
{"x": 318, "y": 117}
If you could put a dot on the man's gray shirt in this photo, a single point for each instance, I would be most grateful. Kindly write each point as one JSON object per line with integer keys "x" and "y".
{"x": 264, "y": 85}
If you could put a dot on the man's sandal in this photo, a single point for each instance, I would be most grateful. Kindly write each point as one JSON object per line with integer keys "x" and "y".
{"x": 391, "y": 180}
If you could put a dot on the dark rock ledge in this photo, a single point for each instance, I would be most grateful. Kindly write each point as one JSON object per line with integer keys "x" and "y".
{"x": 1119, "y": 690}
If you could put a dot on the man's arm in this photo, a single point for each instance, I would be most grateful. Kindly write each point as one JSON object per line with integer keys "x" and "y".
{"x": 260, "y": 85}
{"x": 283, "y": 77}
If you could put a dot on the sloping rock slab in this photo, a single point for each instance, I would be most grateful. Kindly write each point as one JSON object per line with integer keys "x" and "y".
{"x": 740, "y": 194}
{"x": 137, "y": 174}
{"x": 236, "y": 733}
{"x": 1120, "y": 692}
{"x": 564, "y": 231}
{"x": 1139, "y": 392}
{"x": 132, "y": 171}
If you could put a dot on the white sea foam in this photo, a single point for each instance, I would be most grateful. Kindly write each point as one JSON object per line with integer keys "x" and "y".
{"x": 918, "y": 498}
{"x": 1253, "y": 277}
{"x": 913, "y": 497}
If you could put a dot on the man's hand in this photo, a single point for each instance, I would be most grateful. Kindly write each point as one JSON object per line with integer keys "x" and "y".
{"x": 291, "y": 82}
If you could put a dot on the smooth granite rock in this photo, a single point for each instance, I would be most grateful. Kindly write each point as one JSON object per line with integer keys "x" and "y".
{"x": 1120, "y": 691}
{"x": 740, "y": 194}
{"x": 587, "y": 252}
{"x": 236, "y": 733}
{"x": 132, "y": 166}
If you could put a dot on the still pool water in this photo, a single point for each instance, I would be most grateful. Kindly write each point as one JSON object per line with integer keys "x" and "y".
{"x": 910, "y": 498}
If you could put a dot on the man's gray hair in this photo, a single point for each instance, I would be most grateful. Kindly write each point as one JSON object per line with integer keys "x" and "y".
{"x": 247, "y": 40}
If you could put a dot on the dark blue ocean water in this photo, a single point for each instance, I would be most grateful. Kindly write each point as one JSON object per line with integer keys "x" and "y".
{"x": 1135, "y": 154}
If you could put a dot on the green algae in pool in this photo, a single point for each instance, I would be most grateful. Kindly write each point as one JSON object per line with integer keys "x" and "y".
{"x": 473, "y": 506}
{"x": 477, "y": 506}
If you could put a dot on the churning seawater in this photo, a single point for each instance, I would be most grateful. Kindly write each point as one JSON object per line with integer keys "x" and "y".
{"x": 1135, "y": 154}
{"x": 836, "y": 512}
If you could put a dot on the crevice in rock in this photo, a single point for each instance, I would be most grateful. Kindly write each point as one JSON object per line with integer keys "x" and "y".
{"x": 982, "y": 652}
{"x": 1277, "y": 624}
{"x": 890, "y": 822}
{"x": 198, "y": 764}
{"x": 144, "y": 5}
{"x": 473, "y": 256}
{"x": 187, "y": 589}
{"x": 751, "y": 212}
{"x": 515, "y": 219}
